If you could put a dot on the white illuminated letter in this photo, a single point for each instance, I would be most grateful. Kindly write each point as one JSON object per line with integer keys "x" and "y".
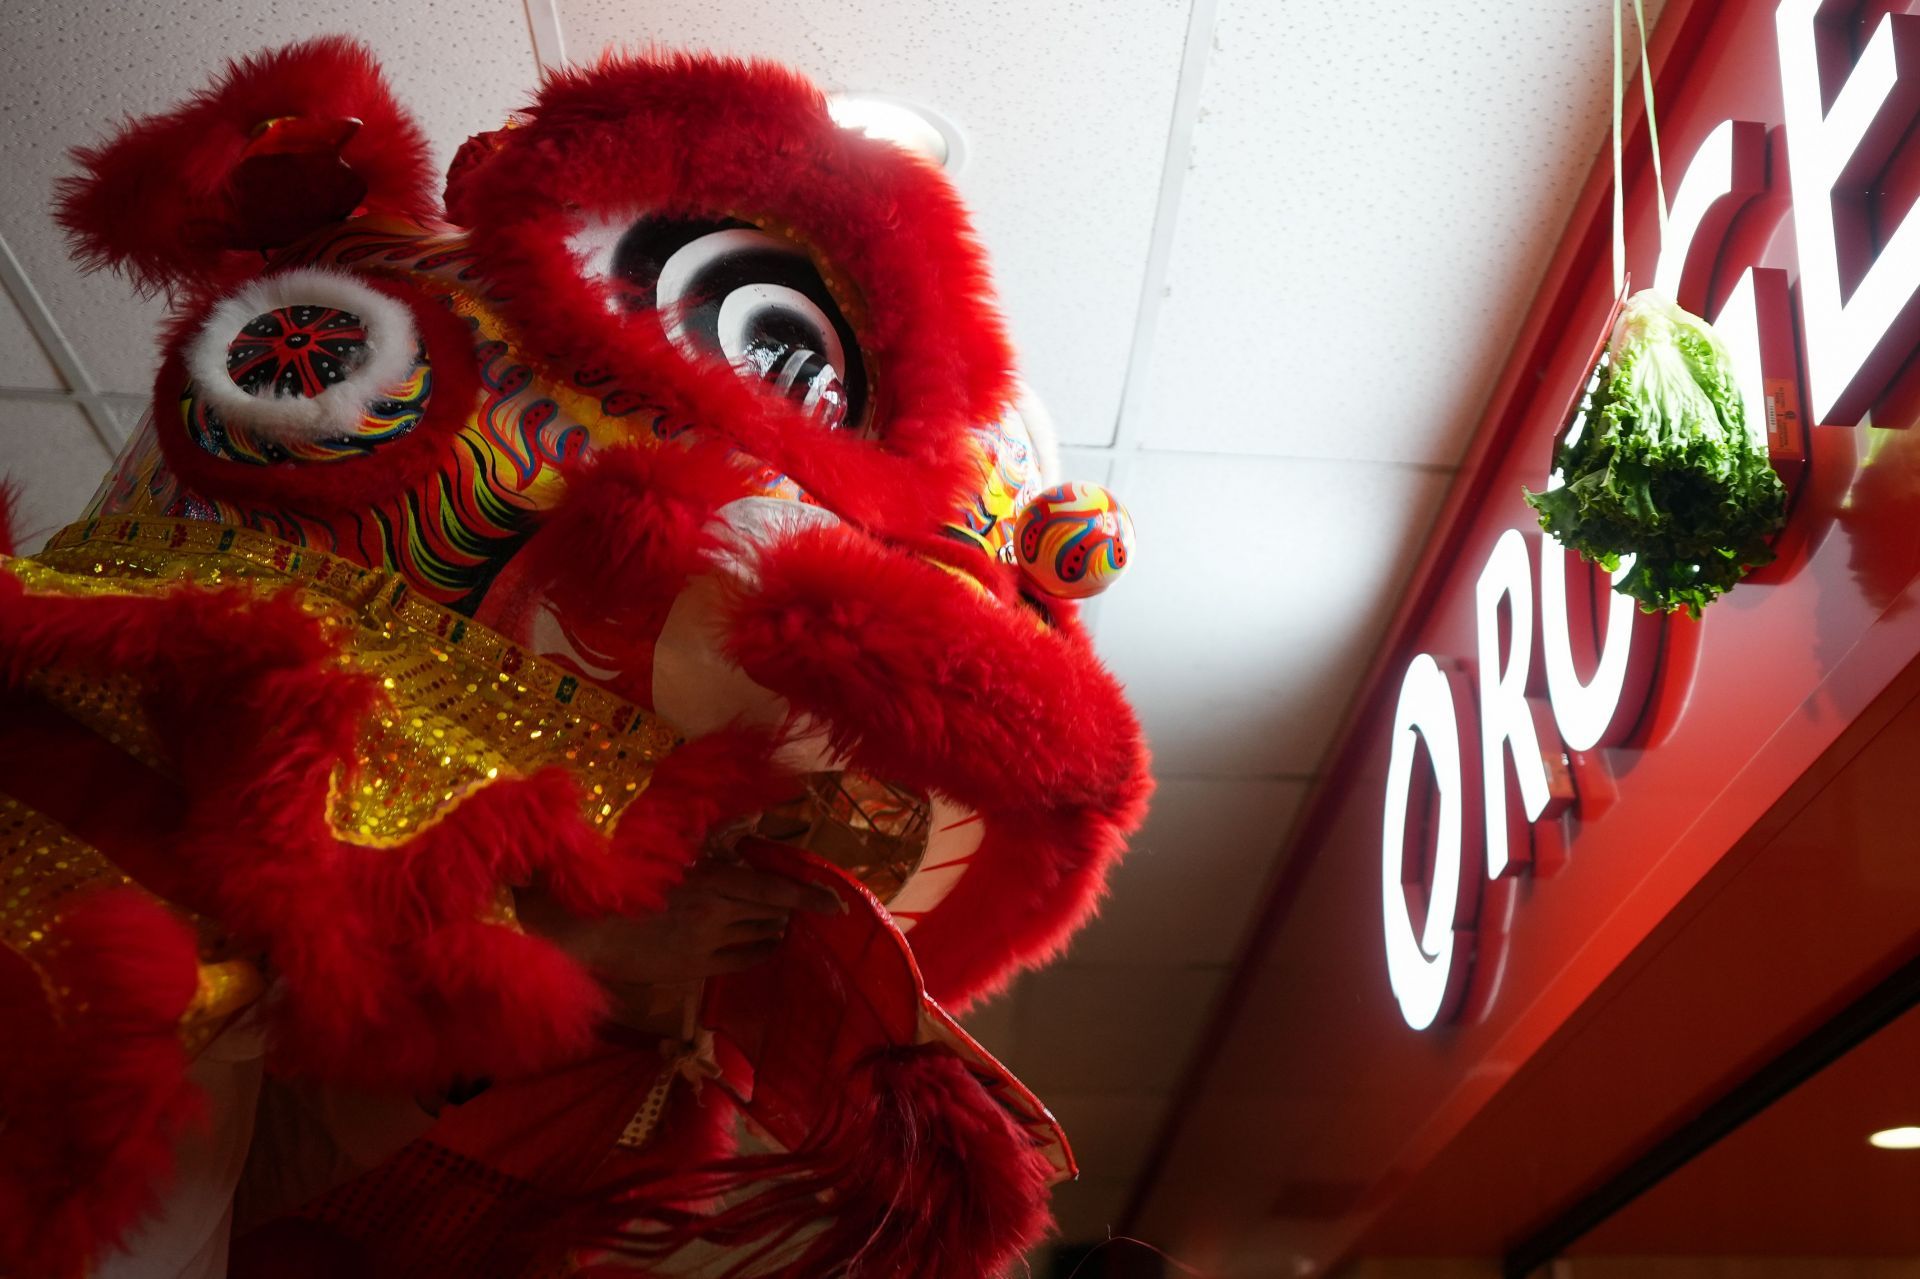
{"x": 1709, "y": 176}
{"x": 1504, "y": 714}
{"x": 1582, "y": 712}
{"x": 1727, "y": 170}
{"x": 1853, "y": 343}
{"x": 1421, "y": 968}
{"x": 1738, "y": 325}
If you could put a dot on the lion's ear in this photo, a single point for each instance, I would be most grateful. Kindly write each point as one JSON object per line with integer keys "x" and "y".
{"x": 468, "y": 161}
{"x": 282, "y": 144}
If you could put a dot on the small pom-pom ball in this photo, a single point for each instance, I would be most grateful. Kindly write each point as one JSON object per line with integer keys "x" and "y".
{"x": 1073, "y": 540}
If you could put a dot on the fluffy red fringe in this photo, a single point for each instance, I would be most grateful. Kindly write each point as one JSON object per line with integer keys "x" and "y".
{"x": 389, "y": 978}
{"x": 635, "y": 518}
{"x": 617, "y": 551}
{"x": 158, "y": 201}
{"x": 914, "y": 1171}
{"x": 752, "y": 140}
{"x": 932, "y": 686}
{"x": 399, "y": 466}
{"x": 92, "y": 1104}
{"x": 694, "y": 792}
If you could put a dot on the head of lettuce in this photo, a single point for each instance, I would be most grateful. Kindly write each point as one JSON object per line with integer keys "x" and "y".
{"x": 1661, "y": 466}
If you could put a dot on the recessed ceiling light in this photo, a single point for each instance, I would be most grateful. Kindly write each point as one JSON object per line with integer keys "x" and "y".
{"x": 905, "y": 124}
{"x": 1897, "y": 1138}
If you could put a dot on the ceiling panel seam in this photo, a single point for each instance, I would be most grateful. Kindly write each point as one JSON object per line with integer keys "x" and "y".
{"x": 549, "y": 41}
{"x": 1173, "y": 178}
{"x": 1326, "y": 459}
{"x": 38, "y": 394}
{"x": 1196, "y": 49}
{"x": 66, "y": 361}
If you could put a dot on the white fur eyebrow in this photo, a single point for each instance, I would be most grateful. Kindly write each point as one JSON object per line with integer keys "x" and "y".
{"x": 392, "y": 349}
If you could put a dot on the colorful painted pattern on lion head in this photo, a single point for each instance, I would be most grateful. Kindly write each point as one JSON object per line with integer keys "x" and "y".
{"x": 686, "y": 389}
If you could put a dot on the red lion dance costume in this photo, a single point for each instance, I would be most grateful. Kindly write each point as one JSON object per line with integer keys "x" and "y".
{"x": 653, "y": 496}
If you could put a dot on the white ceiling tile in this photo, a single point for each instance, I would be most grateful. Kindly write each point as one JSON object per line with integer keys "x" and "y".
{"x": 22, "y": 361}
{"x": 1189, "y": 883}
{"x": 68, "y": 72}
{"x": 1109, "y": 1028}
{"x": 1065, "y": 108}
{"x": 1374, "y": 192}
{"x": 128, "y": 412}
{"x": 1089, "y": 466}
{"x": 1257, "y": 593}
{"x": 54, "y": 462}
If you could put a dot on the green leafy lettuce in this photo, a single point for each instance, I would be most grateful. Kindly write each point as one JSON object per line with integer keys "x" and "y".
{"x": 1665, "y": 469}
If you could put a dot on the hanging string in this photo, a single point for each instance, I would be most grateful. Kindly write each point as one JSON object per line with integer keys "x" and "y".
{"x": 1619, "y": 182}
{"x": 1653, "y": 128}
{"x": 1653, "y": 140}
{"x": 1113, "y": 1239}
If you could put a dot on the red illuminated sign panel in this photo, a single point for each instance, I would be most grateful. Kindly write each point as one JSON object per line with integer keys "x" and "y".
{"x": 1858, "y": 314}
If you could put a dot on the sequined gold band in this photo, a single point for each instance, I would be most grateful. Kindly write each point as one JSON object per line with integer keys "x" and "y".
{"x": 44, "y": 870}
{"x": 463, "y": 705}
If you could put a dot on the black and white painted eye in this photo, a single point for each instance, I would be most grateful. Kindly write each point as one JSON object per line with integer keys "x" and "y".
{"x": 727, "y": 290}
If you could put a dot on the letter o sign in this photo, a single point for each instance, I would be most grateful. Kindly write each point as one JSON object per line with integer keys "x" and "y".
{"x": 1425, "y": 969}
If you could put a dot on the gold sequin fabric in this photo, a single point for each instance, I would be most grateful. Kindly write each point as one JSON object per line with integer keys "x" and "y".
{"x": 462, "y": 706}
{"x": 44, "y": 871}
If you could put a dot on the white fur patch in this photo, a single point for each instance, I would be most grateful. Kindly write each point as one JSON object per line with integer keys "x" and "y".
{"x": 392, "y": 345}
{"x": 594, "y": 241}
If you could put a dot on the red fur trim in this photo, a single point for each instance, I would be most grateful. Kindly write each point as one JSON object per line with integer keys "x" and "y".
{"x": 930, "y": 685}
{"x": 9, "y": 496}
{"x": 511, "y": 1161}
{"x": 1035, "y": 881}
{"x": 397, "y": 467}
{"x": 473, "y": 153}
{"x": 92, "y": 1105}
{"x": 158, "y": 200}
{"x": 53, "y": 764}
{"x": 430, "y": 991}
{"x": 616, "y": 552}
{"x": 633, "y": 524}
{"x": 694, "y": 792}
{"x": 915, "y": 1170}
{"x": 717, "y": 136}
{"x": 388, "y": 979}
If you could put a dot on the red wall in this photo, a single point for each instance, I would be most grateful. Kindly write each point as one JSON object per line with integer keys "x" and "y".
{"x": 1315, "y": 1123}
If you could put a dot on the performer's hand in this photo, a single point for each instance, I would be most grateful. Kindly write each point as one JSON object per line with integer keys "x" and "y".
{"x": 720, "y": 919}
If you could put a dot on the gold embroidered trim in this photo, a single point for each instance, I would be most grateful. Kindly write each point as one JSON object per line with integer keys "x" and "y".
{"x": 463, "y": 706}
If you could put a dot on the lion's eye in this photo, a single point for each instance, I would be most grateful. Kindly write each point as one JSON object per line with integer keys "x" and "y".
{"x": 726, "y": 290}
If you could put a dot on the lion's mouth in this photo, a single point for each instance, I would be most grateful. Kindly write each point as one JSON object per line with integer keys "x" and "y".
{"x": 909, "y": 849}
{"x": 953, "y": 837}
